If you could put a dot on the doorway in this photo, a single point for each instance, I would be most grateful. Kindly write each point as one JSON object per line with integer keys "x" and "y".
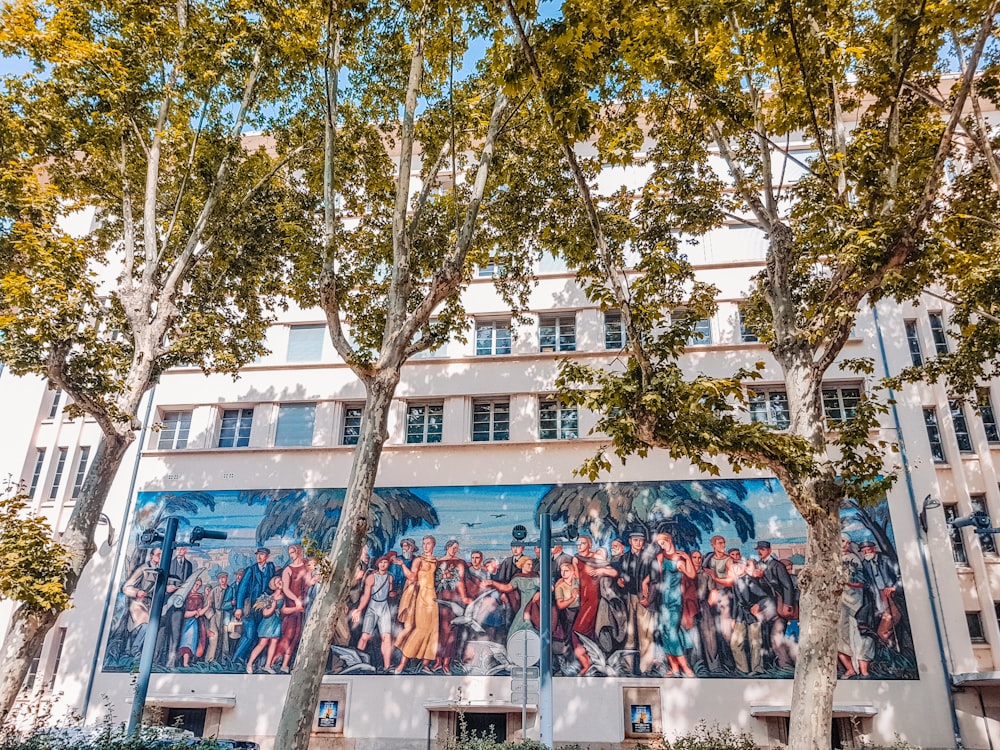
{"x": 191, "y": 719}
{"x": 484, "y": 725}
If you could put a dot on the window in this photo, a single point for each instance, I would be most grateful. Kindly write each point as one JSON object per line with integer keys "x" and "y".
{"x": 913, "y": 342}
{"x": 975, "y": 623}
{"x": 81, "y": 471}
{"x": 556, "y": 421}
{"x": 305, "y": 343}
{"x": 492, "y": 337}
{"x": 702, "y": 334}
{"x": 770, "y": 407}
{"x": 491, "y": 420}
{"x": 58, "y": 657}
{"x": 352, "y": 424}
{"x": 423, "y": 423}
{"x": 958, "y": 552}
{"x": 934, "y": 435}
{"x": 36, "y": 473}
{"x": 996, "y": 611}
{"x": 614, "y": 330}
{"x": 295, "y": 425}
{"x": 29, "y": 679}
{"x": 488, "y": 269}
{"x": 557, "y": 333}
{"x": 235, "y": 430}
{"x": 986, "y": 542}
{"x": 961, "y": 426}
{"x": 988, "y": 416}
{"x": 175, "y": 430}
{"x": 57, "y": 476}
{"x": 937, "y": 332}
{"x": 839, "y": 404}
{"x": 54, "y": 406}
{"x": 746, "y": 335}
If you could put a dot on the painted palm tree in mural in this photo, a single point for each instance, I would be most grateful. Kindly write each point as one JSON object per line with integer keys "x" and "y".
{"x": 315, "y": 513}
{"x": 151, "y": 515}
{"x": 691, "y": 509}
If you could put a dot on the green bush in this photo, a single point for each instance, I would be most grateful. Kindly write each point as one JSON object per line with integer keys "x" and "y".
{"x": 709, "y": 737}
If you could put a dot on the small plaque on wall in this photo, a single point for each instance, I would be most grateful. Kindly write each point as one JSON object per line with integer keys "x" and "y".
{"x": 642, "y": 715}
{"x": 328, "y": 713}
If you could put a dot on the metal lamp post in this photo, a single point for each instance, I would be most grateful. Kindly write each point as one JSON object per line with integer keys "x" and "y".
{"x": 569, "y": 533}
{"x": 148, "y": 539}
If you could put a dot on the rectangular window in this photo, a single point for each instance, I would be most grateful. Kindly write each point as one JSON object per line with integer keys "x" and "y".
{"x": 54, "y": 406}
{"x": 556, "y": 421}
{"x": 986, "y": 542}
{"x": 81, "y": 471}
{"x": 557, "y": 333}
{"x": 934, "y": 435}
{"x": 839, "y": 404}
{"x": 491, "y": 420}
{"x": 36, "y": 473}
{"x": 235, "y": 429}
{"x": 424, "y": 422}
{"x": 614, "y": 330}
{"x": 702, "y": 334}
{"x": 746, "y": 335}
{"x": 295, "y": 425}
{"x": 29, "y": 679}
{"x": 996, "y": 611}
{"x": 988, "y": 416}
{"x": 488, "y": 269}
{"x": 961, "y": 426}
{"x": 305, "y": 343}
{"x": 770, "y": 407}
{"x": 958, "y": 552}
{"x": 58, "y": 475}
{"x": 492, "y": 337}
{"x": 937, "y": 332}
{"x": 58, "y": 657}
{"x": 913, "y": 342}
{"x": 975, "y": 622}
{"x": 352, "y": 424}
{"x": 175, "y": 430}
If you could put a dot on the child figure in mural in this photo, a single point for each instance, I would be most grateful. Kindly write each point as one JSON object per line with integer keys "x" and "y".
{"x": 269, "y": 629}
{"x": 194, "y": 634}
{"x": 375, "y": 606}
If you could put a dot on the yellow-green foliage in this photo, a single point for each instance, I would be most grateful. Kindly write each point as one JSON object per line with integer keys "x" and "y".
{"x": 32, "y": 562}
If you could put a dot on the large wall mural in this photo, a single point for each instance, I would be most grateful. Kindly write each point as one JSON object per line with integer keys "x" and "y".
{"x": 681, "y": 578}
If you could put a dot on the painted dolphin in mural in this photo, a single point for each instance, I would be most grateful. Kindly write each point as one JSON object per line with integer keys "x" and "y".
{"x": 606, "y": 666}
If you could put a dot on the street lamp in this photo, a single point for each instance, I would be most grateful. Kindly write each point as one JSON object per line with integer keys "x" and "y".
{"x": 167, "y": 539}
{"x": 570, "y": 533}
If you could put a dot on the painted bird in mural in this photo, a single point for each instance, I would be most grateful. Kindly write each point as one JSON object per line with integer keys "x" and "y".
{"x": 605, "y": 666}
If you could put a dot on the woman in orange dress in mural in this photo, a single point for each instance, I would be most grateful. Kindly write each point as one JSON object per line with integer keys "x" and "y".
{"x": 419, "y": 639}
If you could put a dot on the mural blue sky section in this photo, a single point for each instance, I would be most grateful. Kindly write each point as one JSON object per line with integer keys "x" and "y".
{"x": 682, "y": 578}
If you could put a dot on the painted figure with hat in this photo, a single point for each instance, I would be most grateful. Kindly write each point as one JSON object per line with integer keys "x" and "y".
{"x": 254, "y": 584}
{"x": 778, "y": 608}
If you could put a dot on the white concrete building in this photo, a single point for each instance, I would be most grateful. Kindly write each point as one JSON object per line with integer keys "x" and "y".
{"x": 477, "y": 445}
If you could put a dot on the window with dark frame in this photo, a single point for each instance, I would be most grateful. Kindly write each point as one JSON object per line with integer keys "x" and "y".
{"x": 492, "y": 337}
{"x": 557, "y": 421}
{"x": 491, "y": 420}
{"x": 746, "y": 335}
{"x": 975, "y": 622}
{"x": 934, "y": 435}
{"x": 557, "y": 333}
{"x": 81, "y": 471}
{"x": 352, "y": 424}
{"x": 58, "y": 475}
{"x": 988, "y": 415}
{"x": 36, "y": 473}
{"x": 938, "y": 334}
{"x": 235, "y": 428}
{"x": 54, "y": 406}
{"x": 770, "y": 407}
{"x": 961, "y": 426}
{"x": 958, "y": 551}
{"x": 986, "y": 542}
{"x": 424, "y": 423}
{"x": 840, "y": 404}
{"x": 913, "y": 342}
{"x": 614, "y": 330}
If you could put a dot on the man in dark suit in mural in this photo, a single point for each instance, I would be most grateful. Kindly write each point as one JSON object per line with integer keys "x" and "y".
{"x": 777, "y": 610}
{"x": 255, "y": 582}
{"x": 173, "y": 616}
{"x": 884, "y": 607}
{"x": 635, "y": 565}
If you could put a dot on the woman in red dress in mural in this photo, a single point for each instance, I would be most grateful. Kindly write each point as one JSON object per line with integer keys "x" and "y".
{"x": 295, "y": 581}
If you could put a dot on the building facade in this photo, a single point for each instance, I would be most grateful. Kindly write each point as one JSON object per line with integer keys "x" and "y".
{"x": 643, "y": 645}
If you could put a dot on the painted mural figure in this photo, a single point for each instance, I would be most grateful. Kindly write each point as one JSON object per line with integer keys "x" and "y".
{"x": 419, "y": 639}
{"x": 255, "y": 583}
{"x": 704, "y": 595}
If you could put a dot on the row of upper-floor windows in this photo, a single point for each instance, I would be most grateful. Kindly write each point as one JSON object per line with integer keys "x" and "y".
{"x": 495, "y": 335}
{"x": 55, "y": 472}
{"x": 960, "y": 424}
